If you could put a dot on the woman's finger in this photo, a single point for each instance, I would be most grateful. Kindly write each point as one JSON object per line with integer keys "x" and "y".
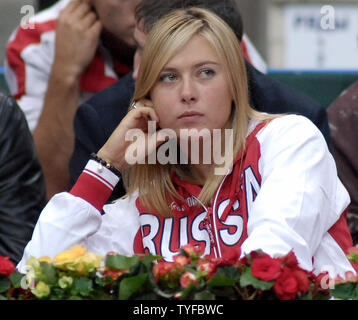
{"x": 146, "y": 112}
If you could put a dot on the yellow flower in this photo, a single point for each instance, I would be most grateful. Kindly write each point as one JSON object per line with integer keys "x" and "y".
{"x": 77, "y": 259}
{"x": 65, "y": 282}
{"x": 33, "y": 262}
{"x": 92, "y": 259}
{"x": 71, "y": 254}
{"x": 85, "y": 264}
{"x": 45, "y": 259}
{"x": 42, "y": 290}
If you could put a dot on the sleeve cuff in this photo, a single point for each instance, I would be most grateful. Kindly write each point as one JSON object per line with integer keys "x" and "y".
{"x": 95, "y": 184}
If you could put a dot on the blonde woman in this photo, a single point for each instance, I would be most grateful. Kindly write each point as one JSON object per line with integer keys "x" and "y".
{"x": 275, "y": 187}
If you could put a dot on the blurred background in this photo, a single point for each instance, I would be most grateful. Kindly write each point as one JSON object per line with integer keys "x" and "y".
{"x": 315, "y": 39}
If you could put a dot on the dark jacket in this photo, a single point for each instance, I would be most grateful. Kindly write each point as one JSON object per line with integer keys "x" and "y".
{"x": 22, "y": 185}
{"x": 96, "y": 119}
{"x": 343, "y": 120}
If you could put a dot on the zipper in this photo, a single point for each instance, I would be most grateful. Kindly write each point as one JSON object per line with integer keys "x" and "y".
{"x": 207, "y": 222}
{"x": 208, "y": 226}
{"x": 214, "y": 218}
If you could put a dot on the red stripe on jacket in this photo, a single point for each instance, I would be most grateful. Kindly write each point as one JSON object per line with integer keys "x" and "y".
{"x": 22, "y": 39}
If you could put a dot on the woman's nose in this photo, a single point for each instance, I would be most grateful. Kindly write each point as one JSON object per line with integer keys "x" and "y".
{"x": 188, "y": 90}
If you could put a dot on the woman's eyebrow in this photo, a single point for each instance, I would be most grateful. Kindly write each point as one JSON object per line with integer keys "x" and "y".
{"x": 197, "y": 65}
{"x": 204, "y": 63}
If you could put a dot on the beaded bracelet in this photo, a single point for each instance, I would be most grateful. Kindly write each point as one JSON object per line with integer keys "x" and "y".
{"x": 105, "y": 164}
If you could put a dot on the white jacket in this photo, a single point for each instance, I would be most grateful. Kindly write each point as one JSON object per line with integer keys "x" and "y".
{"x": 297, "y": 204}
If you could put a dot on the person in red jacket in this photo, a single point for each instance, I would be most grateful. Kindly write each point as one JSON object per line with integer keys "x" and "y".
{"x": 74, "y": 49}
{"x": 202, "y": 167}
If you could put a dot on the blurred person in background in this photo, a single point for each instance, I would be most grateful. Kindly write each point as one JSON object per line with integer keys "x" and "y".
{"x": 343, "y": 122}
{"x": 76, "y": 48}
{"x": 43, "y": 4}
{"x": 22, "y": 185}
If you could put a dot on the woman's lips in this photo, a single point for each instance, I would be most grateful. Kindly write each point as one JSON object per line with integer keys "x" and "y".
{"x": 190, "y": 114}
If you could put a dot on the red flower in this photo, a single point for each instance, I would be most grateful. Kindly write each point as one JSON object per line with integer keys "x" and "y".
{"x": 6, "y": 266}
{"x": 187, "y": 278}
{"x": 230, "y": 259}
{"x": 266, "y": 268}
{"x": 258, "y": 254}
{"x": 289, "y": 260}
{"x": 286, "y": 286}
{"x": 302, "y": 280}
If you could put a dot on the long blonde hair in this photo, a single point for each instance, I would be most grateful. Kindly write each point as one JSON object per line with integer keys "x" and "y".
{"x": 168, "y": 36}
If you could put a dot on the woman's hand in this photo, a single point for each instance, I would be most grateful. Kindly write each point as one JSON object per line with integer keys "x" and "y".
{"x": 114, "y": 150}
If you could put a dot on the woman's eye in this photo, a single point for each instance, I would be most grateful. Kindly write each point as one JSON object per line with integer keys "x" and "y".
{"x": 168, "y": 77}
{"x": 207, "y": 73}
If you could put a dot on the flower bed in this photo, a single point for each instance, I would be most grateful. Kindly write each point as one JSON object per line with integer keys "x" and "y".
{"x": 78, "y": 274}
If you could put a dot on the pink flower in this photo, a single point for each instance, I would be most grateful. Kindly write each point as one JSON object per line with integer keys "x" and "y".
{"x": 208, "y": 267}
{"x": 162, "y": 268}
{"x": 187, "y": 278}
{"x": 350, "y": 276}
{"x": 193, "y": 251}
{"x": 181, "y": 261}
{"x": 114, "y": 274}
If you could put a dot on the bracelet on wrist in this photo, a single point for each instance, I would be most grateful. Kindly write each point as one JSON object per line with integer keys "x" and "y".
{"x": 105, "y": 164}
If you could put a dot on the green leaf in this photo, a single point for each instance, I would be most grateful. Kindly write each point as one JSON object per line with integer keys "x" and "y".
{"x": 48, "y": 273}
{"x": 102, "y": 282}
{"x": 5, "y": 285}
{"x": 187, "y": 291}
{"x": 157, "y": 290}
{"x": 74, "y": 298}
{"x": 344, "y": 290}
{"x": 204, "y": 295}
{"x": 2, "y": 297}
{"x": 247, "y": 279}
{"x": 147, "y": 260}
{"x": 82, "y": 286}
{"x": 131, "y": 285}
{"x": 224, "y": 292}
{"x": 16, "y": 278}
{"x": 119, "y": 262}
{"x": 221, "y": 280}
{"x": 225, "y": 276}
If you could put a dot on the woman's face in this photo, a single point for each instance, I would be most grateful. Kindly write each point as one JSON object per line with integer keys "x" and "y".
{"x": 193, "y": 90}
